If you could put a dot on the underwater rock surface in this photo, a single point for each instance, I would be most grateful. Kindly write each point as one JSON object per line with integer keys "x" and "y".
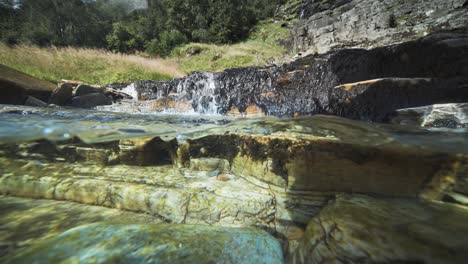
{"x": 144, "y": 243}
{"x": 269, "y": 173}
{"x": 360, "y": 229}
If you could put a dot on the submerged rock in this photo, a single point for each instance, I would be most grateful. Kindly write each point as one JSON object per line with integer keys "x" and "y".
{"x": 104, "y": 243}
{"x": 26, "y": 222}
{"x": 360, "y": 229}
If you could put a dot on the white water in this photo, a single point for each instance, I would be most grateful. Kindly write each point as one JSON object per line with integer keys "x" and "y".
{"x": 130, "y": 90}
{"x": 203, "y": 94}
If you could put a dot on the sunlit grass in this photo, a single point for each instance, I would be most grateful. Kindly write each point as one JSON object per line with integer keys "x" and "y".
{"x": 104, "y": 67}
{"x": 260, "y": 49}
{"x": 86, "y": 65}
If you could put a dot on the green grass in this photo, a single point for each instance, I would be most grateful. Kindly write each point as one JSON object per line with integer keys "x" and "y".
{"x": 103, "y": 67}
{"x": 86, "y": 65}
{"x": 261, "y": 48}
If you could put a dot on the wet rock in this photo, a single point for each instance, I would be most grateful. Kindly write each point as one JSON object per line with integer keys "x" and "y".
{"x": 329, "y": 25}
{"x": 26, "y": 221}
{"x": 360, "y": 229}
{"x": 430, "y": 70}
{"x": 209, "y": 164}
{"x": 156, "y": 244}
{"x": 61, "y": 95}
{"x": 31, "y": 101}
{"x": 90, "y": 100}
{"x": 439, "y": 115}
{"x": 373, "y": 100}
{"x": 83, "y": 89}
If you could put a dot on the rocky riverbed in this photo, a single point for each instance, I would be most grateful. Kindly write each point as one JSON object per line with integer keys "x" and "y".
{"x": 344, "y": 155}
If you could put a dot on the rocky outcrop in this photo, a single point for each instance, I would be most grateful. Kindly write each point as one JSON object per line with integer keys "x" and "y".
{"x": 355, "y": 83}
{"x": 329, "y": 25}
{"x": 16, "y": 86}
{"x": 360, "y": 229}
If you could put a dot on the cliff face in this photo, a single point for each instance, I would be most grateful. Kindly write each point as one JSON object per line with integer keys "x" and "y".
{"x": 328, "y": 25}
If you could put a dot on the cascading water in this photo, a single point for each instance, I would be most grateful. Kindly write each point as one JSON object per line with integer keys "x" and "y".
{"x": 201, "y": 93}
{"x": 130, "y": 90}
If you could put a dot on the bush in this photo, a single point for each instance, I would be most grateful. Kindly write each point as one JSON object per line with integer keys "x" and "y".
{"x": 167, "y": 41}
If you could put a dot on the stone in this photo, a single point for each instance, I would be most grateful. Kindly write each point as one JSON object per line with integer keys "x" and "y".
{"x": 27, "y": 221}
{"x": 353, "y": 83}
{"x": 439, "y": 115}
{"x": 375, "y": 100}
{"x": 31, "y": 101}
{"x": 327, "y": 25}
{"x": 16, "y": 86}
{"x": 90, "y": 100}
{"x": 144, "y": 243}
{"x": 61, "y": 95}
{"x": 83, "y": 89}
{"x": 362, "y": 229}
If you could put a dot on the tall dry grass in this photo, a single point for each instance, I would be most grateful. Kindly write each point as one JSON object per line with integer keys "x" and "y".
{"x": 87, "y": 65}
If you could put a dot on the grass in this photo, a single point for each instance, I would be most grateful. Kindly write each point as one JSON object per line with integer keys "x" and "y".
{"x": 260, "y": 49}
{"x": 103, "y": 67}
{"x": 86, "y": 65}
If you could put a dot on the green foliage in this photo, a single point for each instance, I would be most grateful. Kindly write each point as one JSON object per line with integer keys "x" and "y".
{"x": 164, "y": 25}
{"x": 167, "y": 41}
{"x": 122, "y": 40}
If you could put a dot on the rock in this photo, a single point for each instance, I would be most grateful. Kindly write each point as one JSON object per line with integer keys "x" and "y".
{"x": 329, "y": 25}
{"x": 31, "y": 101}
{"x": 12, "y": 93}
{"x": 428, "y": 71}
{"x": 61, "y": 95}
{"x": 90, "y": 100}
{"x": 26, "y": 221}
{"x": 439, "y": 115}
{"x": 375, "y": 100}
{"x": 83, "y": 89}
{"x": 103, "y": 243}
{"x": 360, "y": 229}
{"x": 16, "y": 86}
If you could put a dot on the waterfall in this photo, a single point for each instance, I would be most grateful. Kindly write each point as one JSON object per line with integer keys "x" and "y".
{"x": 130, "y": 90}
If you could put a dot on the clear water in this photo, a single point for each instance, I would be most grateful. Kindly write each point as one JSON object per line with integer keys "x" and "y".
{"x": 20, "y": 124}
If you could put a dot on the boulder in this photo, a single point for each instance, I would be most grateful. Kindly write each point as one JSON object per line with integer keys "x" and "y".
{"x": 61, "y": 95}
{"x": 132, "y": 243}
{"x": 83, "y": 89}
{"x": 90, "y": 100}
{"x": 16, "y": 86}
{"x": 361, "y": 229}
